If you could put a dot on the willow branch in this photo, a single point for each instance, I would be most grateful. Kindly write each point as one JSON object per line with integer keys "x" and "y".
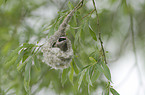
{"x": 63, "y": 26}
{"x": 98, "y": 27}
{"x": 61, "y": 30}
{"x": 88, "y": 14}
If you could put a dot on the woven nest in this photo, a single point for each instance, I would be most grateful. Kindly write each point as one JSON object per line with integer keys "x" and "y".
{"x": 57, "y": 58}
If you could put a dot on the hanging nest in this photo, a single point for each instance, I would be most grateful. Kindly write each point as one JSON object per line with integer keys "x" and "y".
{"x": 58, "y": 57}
{"x": 57, "y": 51}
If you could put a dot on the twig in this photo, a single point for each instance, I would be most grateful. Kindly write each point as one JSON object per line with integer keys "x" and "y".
{"x": 62, "y": 27}
{"x": 61, "y": 30}
{"x": 88, "y": 14}
{"x": 98, "y": 27}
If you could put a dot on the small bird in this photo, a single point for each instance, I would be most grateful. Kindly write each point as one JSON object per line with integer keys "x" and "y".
{"x": 62, "y": 44}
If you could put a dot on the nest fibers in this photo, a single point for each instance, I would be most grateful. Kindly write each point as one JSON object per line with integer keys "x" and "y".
{"x": 55, "y": 57}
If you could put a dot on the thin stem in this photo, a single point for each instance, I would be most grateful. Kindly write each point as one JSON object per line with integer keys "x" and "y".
{"x": 98, "y": 27}
{"x": 63, "y": 25}
{"x": 88, "y": 14}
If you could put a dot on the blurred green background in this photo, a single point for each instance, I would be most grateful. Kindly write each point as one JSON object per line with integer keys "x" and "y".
{"x": 122, "y": 25}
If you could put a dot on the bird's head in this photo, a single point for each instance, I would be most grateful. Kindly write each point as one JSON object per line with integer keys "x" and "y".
{"x": 62, "y": 43}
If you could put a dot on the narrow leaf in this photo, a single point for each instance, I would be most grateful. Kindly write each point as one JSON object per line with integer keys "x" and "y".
{"x": 107, "y": 91}
{"x": 106, "y": 71}
{"x": 70, "y": 5}
{"x": 99, "y": 68}
{"x": 95, "y": 76}
{"x": 82, "y": 34}
{"x": 75, "y": 67}
{"x": 92, "y": 59}
{"x": 93, "y": 34}
{"x": 114, "y": 92}
{"x": 85, "y": 67}
{"x": 36, "y": 62}
{"x": 81, "y": 78}
{"x": 71, "y": 74}
{"x": 13, "y": 54}
{"x": 12, "y": 61}
{"x": 78, "y": 63}
{"x": 64, "y": 76}
{"x": 27, "y": 75}
{"x": 20, "y": 66}
{"x": 26, "y": 45}
{"x": 19, "y": 57}
{"x": 88, "y": 78}
{"x": 89, "y": 88}
{"x": 77, "y": 35}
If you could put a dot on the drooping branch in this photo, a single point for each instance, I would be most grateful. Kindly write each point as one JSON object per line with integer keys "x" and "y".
{"x": 61, "y": 30}
{"x": 88, "y": 13}
{"x": 57, "y": 51}
{"x": 98, "y": 27}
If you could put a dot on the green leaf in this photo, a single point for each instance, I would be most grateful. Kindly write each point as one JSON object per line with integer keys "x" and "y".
{"x": 106, "y": 71}
{"x": 6, "y": 47}
{"x": 71, "y": 74}
{"x": 27, "y": 53}
{"x": 13, "y": 54}
{"x": 27, "y": 75}
{"x": 89, "y": 88}
{"x": 12, "y": 61}
{"x": 81, "y": 78}
{"x": 36, "y": 63}
{"x": 107, "y": 91}
{"x": 88, "y": 78}
{"x": 64, "y": 76}
{"x": 91, "y": 70}
{"x": 92, "y": 59}
{"x": 82, "y": 34}
{"x": 78, "y": 63}
{"x": 19, "y": 57}
{"x": 93, "y": 34}
{"x": 114, "y": 92}
{"x": 26, "y": 86}
{"x": 70, "y": 5}
{"x": 75, "y": 67}
{"x": 26, "y": 45}
{"x": 99, "y": 68}
{"x": 77, "y": 35}
{"x": 95, "y": 76}
{"x": 85, "y": 67}
{"x": 20, "y": 66}
{"x": 51, "y": 31}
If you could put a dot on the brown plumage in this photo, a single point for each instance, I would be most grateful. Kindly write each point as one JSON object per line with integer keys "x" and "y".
{"x": 62, "y": 43}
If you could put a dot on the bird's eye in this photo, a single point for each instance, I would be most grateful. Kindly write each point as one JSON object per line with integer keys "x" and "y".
{"x": 61, "y": 39}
